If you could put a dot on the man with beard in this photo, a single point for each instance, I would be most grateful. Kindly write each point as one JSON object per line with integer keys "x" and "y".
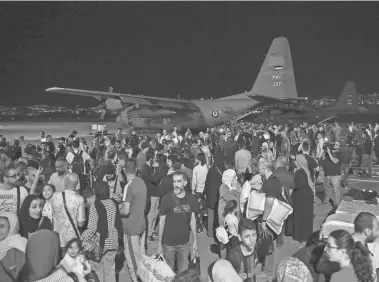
{"x": 11, "y": 196}
{"x": 331, "y": 163}
{"x": 177, "y": 220}
{"x": 58, "y": 177}
{"x": 273, "y": 189}
{"x": 114, "y": 180}
{"x": 366, "y": 231}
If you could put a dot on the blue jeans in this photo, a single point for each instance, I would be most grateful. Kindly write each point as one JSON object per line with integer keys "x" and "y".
{"x": 105, "y": 269}
{"x": 180, "y": 253}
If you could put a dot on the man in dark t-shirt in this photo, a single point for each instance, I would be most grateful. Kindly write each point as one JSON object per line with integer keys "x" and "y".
{"x": 273, "y": 190}
{"x": 177, "y": 220}
{"x": 242, "y": 257}
{"x": 331, "y": 163}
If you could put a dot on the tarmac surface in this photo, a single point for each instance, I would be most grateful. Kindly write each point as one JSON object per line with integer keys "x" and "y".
{"x": 206, "y": 247}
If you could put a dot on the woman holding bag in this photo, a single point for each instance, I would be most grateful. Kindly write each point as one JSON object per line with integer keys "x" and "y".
{"x": 104, "y": 228}
{"x": 229, "y": 190}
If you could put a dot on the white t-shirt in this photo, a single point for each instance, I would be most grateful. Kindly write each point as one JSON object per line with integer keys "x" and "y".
{"x": 231, "y": 223}
{"x": 8, "y": 199}
{"x": 199, "y": 176}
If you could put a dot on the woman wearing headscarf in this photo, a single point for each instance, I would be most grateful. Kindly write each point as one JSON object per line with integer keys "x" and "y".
{"x": 41, "y": 262}
{"x": 12, "y": 248}
{"x": 302, "y": 201}
{"x": 31, "y": 218}
{"x": 104, "y": 218}
{"x": 229, "y": 190}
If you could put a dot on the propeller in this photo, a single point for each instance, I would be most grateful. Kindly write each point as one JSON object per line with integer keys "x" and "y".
{"x": 102, "y": 108}
{"x": 103, "y": 113}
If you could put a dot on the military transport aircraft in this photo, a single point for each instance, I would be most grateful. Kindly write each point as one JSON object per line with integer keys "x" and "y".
{"x": 275, "y": 83}
{"x": 346, "y": 104}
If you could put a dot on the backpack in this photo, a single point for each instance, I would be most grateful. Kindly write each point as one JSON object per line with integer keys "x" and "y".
{"x": 78, "y": 162}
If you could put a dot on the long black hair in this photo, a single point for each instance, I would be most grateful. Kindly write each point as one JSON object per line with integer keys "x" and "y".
{"x": 201, "y": 158}
{"x": 358, "y": 253}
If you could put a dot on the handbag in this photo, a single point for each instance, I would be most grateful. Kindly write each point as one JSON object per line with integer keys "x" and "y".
{"x": 92, "y": 277}
{"x": 154, "y": 269}
{"x": 222, "y": 235}
{"x": 92, "y": 248}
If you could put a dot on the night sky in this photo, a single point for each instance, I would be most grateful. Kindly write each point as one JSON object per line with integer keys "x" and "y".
{"x": 194, "y": 49}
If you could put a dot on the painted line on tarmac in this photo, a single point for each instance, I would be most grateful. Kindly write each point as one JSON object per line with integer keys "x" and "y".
{"x": 364, "y": 180}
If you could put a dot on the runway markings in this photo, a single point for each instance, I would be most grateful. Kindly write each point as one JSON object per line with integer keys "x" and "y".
{"x": 364, "y": 180}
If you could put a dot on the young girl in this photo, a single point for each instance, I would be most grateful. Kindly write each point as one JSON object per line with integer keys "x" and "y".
{"x": 47, "y": 193}
{"x": 74, "y": 260}
{"x": 231, "y": 223}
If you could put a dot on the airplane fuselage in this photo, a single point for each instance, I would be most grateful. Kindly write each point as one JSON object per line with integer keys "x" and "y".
{"x": 194, "y": 115}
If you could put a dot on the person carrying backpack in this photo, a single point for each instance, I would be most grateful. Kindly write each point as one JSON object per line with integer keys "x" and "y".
{"x": 78, "y": 158}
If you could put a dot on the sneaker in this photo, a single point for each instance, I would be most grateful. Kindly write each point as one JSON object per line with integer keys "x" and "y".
{"x": 325, "y": 203}
{"x": 151, "y": 239}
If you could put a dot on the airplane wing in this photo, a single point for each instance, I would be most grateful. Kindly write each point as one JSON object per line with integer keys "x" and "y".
{"x": 325, "y": 120}
{"x": 127, "y": 98}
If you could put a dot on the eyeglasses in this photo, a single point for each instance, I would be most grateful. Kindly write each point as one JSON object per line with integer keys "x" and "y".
{"x": 12, "y": 176}
{"x": 328, "y": 246}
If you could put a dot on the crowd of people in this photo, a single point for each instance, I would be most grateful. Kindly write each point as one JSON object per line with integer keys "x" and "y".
{"x": 75, "y": 210}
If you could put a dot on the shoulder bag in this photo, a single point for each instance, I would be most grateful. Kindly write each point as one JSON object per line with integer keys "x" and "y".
{"x": 69, "y": 216}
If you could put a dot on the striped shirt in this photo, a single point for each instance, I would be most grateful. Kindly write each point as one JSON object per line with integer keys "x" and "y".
{"x": 58, "y": 276}
{"x": 111, "y": 243}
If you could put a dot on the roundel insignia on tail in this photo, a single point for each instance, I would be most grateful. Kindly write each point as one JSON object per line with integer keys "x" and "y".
{"x": 215, "y": 114}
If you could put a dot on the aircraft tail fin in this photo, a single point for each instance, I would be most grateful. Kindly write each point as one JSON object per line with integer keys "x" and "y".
{"x": 276, "y": 78}
{"x": 349, "y": 97}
